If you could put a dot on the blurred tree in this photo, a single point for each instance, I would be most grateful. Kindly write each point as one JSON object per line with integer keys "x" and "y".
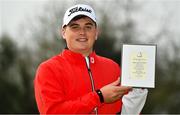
{"x": 8, "y": 52}
{"x": 104, "y": 46}
{"x": 15, "y": 79}
{"x": 26, "y": 71}
{"x": 165, "y": 96}
{"x": 8, "y": 90}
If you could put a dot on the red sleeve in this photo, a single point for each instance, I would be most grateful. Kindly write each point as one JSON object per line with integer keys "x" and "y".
{"x": 50, "y": 96}
{"x": 117, "y": 70}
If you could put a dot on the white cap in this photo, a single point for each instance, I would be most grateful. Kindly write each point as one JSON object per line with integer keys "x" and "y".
{"x": 79, "y": 9}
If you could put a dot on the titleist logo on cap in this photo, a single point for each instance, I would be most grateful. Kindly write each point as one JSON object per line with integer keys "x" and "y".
{"x": 76, "y": 9}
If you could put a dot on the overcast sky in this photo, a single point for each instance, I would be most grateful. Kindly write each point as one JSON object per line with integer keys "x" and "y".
{"x": 15, "y": 12}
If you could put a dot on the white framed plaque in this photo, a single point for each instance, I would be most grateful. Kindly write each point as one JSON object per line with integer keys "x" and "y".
{"x": 138, "y": 65}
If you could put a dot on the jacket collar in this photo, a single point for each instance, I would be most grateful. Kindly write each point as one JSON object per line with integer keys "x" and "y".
{"x": 77, "y": 57}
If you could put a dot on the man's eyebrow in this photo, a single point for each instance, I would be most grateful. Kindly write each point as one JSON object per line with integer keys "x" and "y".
{"x": 73, "y": 24}
{"x": 89, "y": 24}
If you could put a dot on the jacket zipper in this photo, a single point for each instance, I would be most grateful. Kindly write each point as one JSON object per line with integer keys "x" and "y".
{"x": 91, "y": 78}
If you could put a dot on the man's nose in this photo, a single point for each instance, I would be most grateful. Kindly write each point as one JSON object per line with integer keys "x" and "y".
{"x": 82, "y": 31}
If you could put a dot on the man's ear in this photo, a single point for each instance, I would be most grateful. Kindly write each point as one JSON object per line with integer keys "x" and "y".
{"x": 62, "y": 30}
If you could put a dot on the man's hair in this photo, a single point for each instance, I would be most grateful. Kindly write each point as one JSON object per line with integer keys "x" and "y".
{"x": 81, "y": 16}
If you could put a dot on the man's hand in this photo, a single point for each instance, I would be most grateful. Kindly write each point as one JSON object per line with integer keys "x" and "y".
{"x": 112, "y": 92}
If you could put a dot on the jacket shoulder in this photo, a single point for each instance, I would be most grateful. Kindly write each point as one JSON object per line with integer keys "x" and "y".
{"x": 107, "y": 61}
{"x": 52, "y": 62}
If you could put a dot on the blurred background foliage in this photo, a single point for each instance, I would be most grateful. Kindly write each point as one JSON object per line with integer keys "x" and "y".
{"x": 117, "y": 23}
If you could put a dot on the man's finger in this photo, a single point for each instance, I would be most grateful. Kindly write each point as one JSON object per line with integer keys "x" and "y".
{"x": 123, "y": 88}
{"x": 116, "y": 82}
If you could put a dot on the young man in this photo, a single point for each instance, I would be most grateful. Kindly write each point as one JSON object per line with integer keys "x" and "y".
{"x": 78, "y": 80}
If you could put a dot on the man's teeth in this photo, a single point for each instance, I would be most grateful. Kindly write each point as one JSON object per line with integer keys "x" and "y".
{"x": 82, "y": 39}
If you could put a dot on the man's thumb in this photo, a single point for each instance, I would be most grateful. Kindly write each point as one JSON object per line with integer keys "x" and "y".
{"x": 116, "y": 82}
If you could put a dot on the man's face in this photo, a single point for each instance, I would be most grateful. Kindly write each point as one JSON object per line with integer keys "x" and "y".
{"x": 80, "y": 35}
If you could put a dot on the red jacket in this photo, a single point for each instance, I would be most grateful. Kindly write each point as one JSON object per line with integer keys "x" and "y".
{"x": 63, "y": 85}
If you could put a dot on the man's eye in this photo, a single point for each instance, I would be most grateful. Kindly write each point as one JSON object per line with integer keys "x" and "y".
{"x": 74, "y": 27}
{"x": 88, "y": 27}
